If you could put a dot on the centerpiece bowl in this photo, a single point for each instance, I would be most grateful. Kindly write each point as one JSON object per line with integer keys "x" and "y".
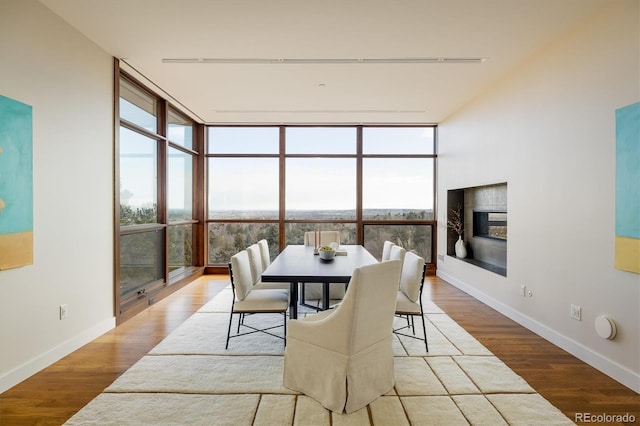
{"x": 326, "y": 253}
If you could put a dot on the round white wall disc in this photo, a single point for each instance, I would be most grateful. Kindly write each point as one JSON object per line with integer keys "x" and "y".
{"x": 605, "y": 327}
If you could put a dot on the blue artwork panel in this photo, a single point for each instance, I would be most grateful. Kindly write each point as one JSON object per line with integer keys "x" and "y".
{"x": 628, "y": 188}
{"x": 628, "y": 171}
{"x": 16, "y": 183}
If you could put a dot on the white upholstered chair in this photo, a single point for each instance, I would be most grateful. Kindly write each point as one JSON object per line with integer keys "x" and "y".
{"x": 255, "y": 260}
{"x": 314, "y": 290}
{"x": 265, "y": 254}
{"x": 397, "y": 253}
{"x": 247, "y": 300}
{"x": 257, "y": 267}
{"x": 326, "y": 238}
{"x": 386, "y": 250}
{"x": 409, "y": 298}
{"x": 342, "y": 357}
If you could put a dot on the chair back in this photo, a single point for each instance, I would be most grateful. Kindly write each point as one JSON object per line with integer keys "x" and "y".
{"x": 412, "y": 278}
{"x": 264, "y": 253}
{"x": 255, "y": 262}
{"x": 326, "y": 237}
{"x": 386, "y": 250}
{"x": 397, "y": 253}
{"x": 240, "y": 274}
{"x": 369, "y": 304}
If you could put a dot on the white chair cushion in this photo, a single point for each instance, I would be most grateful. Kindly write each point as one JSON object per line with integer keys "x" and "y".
{"x": 263, "y": 301}
{"x": 411, "y": 277}
{"x": 242, "y": 278}
{"x": 271, "y": 286}
{"x": 405, "y": 306}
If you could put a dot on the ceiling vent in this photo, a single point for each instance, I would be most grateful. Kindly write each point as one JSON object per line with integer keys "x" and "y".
{"x": 317, "y": 61}
{"x": 319, "y": 111}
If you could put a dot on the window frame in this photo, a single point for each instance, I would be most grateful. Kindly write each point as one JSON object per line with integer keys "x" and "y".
{"x": 358, "y": 221}
{"x": 125, "y": 306}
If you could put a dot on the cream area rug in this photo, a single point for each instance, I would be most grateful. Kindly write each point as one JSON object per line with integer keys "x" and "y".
{"x": 190, "y": 379}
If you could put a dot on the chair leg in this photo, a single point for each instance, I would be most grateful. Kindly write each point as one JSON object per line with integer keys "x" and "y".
{"x": 424, "y": 330}
{"x": 285, "y": 329}
{"x": 226, "y": 346}
{"x": 411, "y": 324}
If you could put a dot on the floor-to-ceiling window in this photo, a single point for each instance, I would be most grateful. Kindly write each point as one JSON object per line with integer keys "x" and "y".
{"x": 321, "y": 182}
{"x": 398, "y": 198}
{"x": 243, "y": 189}
{"x": 181, "y": 220}
{"x": 156, "y": 158}
{"x": 189, "y": 197}
{"x": 372, "y": 183}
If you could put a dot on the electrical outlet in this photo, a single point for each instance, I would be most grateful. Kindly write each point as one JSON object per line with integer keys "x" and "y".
{"x": 63, "y": 311}
{"x": 523, "y": 290}
{"x": 576, "y": 312}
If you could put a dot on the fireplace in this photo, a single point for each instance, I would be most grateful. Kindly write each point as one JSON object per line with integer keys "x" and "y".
{"x": 485, "y": 225}
{"x": 490, "y": 224}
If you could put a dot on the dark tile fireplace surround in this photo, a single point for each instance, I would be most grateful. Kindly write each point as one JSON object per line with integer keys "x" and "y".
{"x": 485, "y": 225}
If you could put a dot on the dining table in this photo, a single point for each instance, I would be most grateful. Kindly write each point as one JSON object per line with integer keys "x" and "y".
{"x": 301, "y": 264}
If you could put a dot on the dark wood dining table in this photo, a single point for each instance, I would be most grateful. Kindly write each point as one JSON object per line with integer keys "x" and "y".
{"x": 298, "y": 264}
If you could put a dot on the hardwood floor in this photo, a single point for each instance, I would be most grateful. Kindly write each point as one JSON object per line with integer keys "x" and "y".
{"x": 568, "y": 383}
{"x": 53, "y": 395}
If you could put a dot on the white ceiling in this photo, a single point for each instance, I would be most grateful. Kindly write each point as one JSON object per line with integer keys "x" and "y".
{"x": 144, "y": 32}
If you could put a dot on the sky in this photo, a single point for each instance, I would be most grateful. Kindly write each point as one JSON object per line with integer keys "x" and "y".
{"x": 312, "y": 183}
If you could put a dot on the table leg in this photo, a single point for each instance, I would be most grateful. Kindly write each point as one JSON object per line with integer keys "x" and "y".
{"x": 293, "y": 300}
{"x": 325, "y": 296}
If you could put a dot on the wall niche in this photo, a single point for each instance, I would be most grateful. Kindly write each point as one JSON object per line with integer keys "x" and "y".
{"x": 485, "y": 225}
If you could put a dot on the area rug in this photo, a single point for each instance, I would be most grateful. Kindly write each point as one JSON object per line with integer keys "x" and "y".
{"x": 190, "y": 378}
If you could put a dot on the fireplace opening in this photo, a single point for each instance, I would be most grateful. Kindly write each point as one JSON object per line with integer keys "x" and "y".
{"x": 490, "y": 224}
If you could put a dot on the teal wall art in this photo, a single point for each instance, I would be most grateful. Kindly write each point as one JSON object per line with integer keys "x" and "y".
{"x": 627, "y": 255}
{"x": 16, "y": 184}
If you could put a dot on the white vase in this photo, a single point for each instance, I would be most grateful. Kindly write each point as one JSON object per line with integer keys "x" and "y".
{"x": 461, "y": 250}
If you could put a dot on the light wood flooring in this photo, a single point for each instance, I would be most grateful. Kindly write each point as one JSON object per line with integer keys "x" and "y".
{"x": 53, "y": 395}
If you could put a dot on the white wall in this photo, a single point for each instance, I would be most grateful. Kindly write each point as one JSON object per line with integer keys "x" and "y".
{"x": 68, "y": 81}
{"x": 549, "y": 131}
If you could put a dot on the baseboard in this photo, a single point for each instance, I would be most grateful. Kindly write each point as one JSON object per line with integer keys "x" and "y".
{"x": 612, "y": 369}
{"x": 31, "y": 367}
